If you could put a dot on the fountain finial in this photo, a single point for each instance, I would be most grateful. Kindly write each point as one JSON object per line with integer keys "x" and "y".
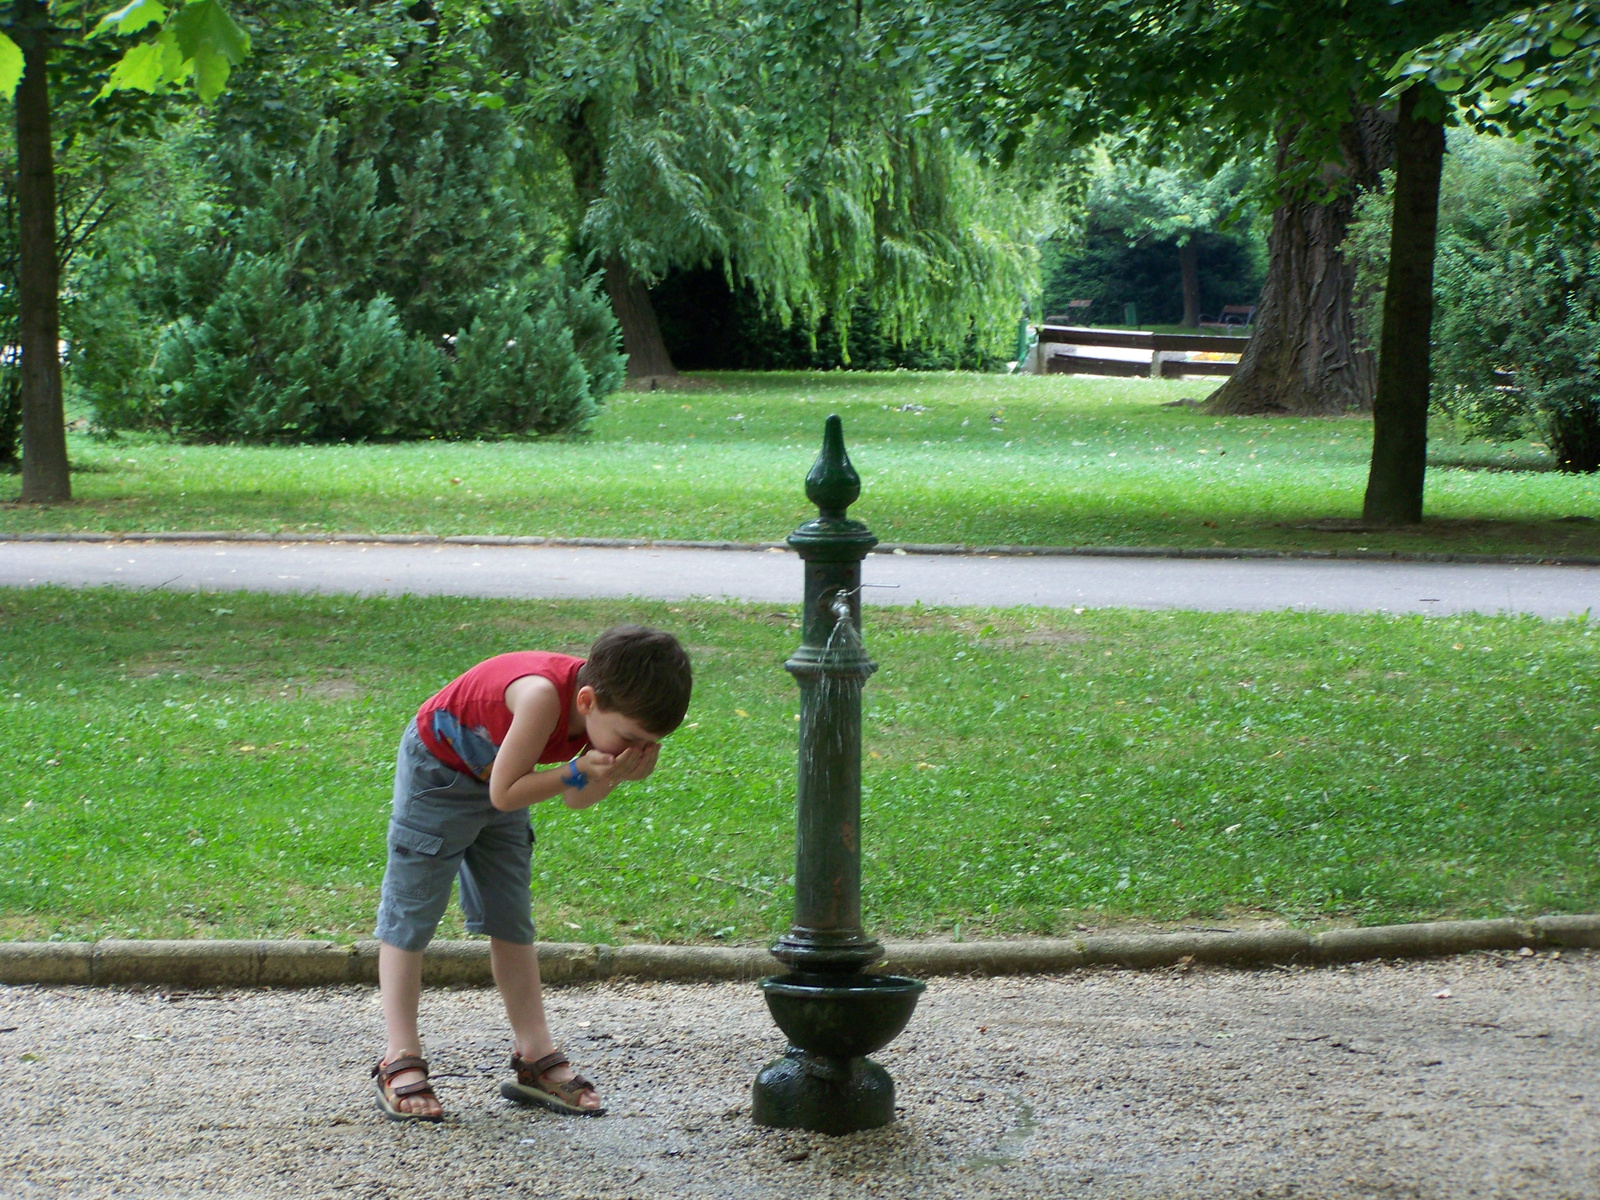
{"x": 833, "y": 484}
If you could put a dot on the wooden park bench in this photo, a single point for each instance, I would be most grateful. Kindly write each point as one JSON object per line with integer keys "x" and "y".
{"x": 1160, "y": 345}
{"x": 1077, "y": 314}
{"x": 1231, "y": 314}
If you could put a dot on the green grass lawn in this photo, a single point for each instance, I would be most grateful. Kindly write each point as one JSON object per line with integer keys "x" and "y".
{"x": 221, "y": 766}
{"x": 979, "y": 459}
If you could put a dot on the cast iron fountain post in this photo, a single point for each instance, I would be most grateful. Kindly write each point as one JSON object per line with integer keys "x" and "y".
{"x": 833, "y": 1013}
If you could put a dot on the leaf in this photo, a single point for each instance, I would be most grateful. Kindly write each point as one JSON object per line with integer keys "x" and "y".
{"x": 210, "y": 39}
{"x": 131, "y": 17}
{"x": 10, "y": 66}
{"x": 138, "y": 69}
{"x": 204, "y": 26}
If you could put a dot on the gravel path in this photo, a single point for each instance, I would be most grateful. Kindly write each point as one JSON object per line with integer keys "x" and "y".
{"x": 1353, "y": 1082}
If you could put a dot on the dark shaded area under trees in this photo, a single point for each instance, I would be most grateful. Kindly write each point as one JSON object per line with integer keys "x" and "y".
{"x": 709, "y": 326}
{"x": 1108, "y": 271}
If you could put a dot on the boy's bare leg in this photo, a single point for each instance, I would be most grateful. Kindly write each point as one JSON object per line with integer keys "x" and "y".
{"x": 400, "y": 984}
{"x": 516, "y": 974}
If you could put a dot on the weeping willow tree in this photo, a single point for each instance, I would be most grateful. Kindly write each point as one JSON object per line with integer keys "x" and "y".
{"x": 775, "y": 140}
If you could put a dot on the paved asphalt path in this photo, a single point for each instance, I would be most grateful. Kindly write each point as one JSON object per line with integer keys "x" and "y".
{"x": 774, "y": 576}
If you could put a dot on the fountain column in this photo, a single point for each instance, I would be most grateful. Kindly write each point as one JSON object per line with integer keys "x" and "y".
{"x": 833, "y": 1014}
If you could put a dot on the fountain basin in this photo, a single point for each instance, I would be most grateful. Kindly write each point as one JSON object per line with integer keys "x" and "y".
{"x": 841, "y": 1016}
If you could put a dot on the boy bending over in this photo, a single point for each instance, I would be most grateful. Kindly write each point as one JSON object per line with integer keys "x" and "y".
{"x": 467, "y": 772}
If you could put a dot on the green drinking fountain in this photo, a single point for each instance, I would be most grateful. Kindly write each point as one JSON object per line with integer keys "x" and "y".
{"x": 833, "y": 1011}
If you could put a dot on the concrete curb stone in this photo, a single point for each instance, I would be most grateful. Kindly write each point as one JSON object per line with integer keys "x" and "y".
{"x": 944, "y": 548}
{"x": 260, "y": 964}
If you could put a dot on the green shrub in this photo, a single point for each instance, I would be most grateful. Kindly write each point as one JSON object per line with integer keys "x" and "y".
{"x": 1553, "y": 343}
{"x": 532, "y": 363}
{"x": 270, "y": 362}
{"x": 371, "y": 281}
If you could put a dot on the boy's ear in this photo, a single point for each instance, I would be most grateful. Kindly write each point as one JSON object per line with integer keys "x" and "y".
{"x": 585, "y": 700}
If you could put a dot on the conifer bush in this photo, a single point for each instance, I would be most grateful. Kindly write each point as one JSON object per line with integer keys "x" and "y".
{"x": 375, "y": 281}
{"x": 266, "y": 363}
{"x": 534, "y": 365}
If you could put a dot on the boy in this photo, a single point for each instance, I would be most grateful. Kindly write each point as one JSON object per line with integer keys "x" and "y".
{"x": 466, "y": 775}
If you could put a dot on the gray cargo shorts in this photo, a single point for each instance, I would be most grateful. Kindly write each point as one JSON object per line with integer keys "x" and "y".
{"x": 443, "y": 826}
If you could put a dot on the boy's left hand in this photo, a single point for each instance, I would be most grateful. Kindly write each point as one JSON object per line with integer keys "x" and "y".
{"x": 646, "y": 761}
{"x": 631, "y": 764}
{"x": 634, "y": 763}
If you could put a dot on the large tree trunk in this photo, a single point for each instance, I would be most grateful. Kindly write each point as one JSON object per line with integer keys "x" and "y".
{"x": 1303, "y": 358}
{"x": 630, "y": 299}
{"x": 1189, "y": 271}
{"x": 45, "y": 475}
{"x": 1400, "y": 413}
{"x": 641, "y": 333}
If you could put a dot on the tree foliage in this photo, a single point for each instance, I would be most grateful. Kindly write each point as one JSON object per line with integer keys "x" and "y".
{"x": 1175, "y": 207}
{"x": 365, "y": 259}
{"x": 197, "y": 42}
{"x": 1533, "y": 69}
{"x": 1517, "y": 324}
{"x": 51, "y": 53}
{"x": 775, "y": 142}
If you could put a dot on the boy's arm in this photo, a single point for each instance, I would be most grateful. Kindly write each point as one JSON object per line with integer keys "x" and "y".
{"x": 515, "y": 780}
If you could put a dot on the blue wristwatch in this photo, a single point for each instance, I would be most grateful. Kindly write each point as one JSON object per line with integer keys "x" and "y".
{"x": 575, "y": 778}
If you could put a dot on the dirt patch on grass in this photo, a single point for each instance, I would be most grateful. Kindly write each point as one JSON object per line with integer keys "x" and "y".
{"x": 23, "y": 928}
{"x": 1039, "y": 637}
{"x": 332, "y": 689}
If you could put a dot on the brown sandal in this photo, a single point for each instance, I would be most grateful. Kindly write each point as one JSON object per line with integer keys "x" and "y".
{"x": 389, "y": 1097}
{"x": 530, "y": 1085}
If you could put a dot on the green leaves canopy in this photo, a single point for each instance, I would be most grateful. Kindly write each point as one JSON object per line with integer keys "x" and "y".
{"x": 1164, "y": 204}
{"x": 776, "y": 140}
{"x": 1533, "y": 70}
{"x": 1237, "y": 74}
{"x": 198, "y": 41}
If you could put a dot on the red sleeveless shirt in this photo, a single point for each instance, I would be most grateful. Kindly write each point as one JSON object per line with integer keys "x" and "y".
{"x": 464, "y": 724}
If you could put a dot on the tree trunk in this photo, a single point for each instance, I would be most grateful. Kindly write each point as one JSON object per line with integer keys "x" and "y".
{"x": 45, "y": 475}
{"x": 1303, "y": 358}
{"x": 641, "y": 333}
{"x": 1189, "y": 269}
{"x": 1400, "y": 413}
{"x": 630, "y": 299}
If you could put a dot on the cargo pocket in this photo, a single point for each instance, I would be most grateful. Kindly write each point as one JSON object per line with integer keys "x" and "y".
{"x": 403, "y": 837}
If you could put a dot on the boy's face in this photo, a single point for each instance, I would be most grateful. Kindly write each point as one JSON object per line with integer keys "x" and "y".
{"x": 611, "y": 732}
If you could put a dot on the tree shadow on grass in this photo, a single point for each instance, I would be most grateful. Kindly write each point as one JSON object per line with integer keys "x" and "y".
{"x": 1559, "y": 537}
{"x": 1520, "y": 460}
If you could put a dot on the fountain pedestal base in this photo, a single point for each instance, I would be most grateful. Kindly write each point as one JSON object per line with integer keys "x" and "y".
{"x": 822, "y": 1094}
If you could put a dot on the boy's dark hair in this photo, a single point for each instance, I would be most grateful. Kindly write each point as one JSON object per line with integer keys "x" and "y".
{"x": 641, "y": 673}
